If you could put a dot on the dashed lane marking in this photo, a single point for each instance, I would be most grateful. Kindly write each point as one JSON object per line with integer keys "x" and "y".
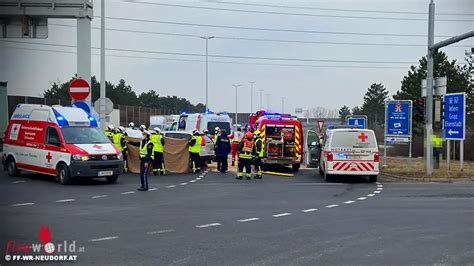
{"x": 99, "y": 196}
{"x": 182, "y": 184}
{"x": 201, "y": 176}
{"x": 127, "y": 192}
{"x": 332, "y": 206}
{"x": 349, "y": 202}
{"x": 18, "y": 182}
{"x": 361, "y": 198}
{"x": 208, "y": 225}
{"x": 153, "y": 189}
{"x": 379, "y": 188}
{"x": 23, "y": 204}
{"x": 198, "y": 178}
{"x": 65, "y": 200}
{"x": 160, "y": 232}
{"x": 248, "y": 220}
{"x": 370, "y": 195}
{"x": 104, "y": 238}
{"x": 281, "y": 214}
{"x": 309, "y": 210}
{"x": 192, "y": 181}
{"x": 377, "y": 191}
{"x": 171, "y": 186}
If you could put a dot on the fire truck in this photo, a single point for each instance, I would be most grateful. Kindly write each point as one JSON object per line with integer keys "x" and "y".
{"x": 282, "y": 138}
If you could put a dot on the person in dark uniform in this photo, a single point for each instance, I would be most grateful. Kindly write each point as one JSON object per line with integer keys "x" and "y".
{"x": 146, "y": 159}
{"x": 222, "y": 150}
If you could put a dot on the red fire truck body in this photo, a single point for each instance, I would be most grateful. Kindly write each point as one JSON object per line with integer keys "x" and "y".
{"x": 282, "y": 138}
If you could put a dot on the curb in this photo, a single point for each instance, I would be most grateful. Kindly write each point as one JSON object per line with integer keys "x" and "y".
{"x": 430, "y": 179}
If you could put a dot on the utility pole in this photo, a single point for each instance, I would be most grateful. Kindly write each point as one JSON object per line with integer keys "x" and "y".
{"x": 102, "y": 116}
{"x": 251, "y": 95}
{"x": 207, "y": 38}
{"x": 432, "y": 49}
{"x": 260, "y": 98}
{"x": 236, "y": 94}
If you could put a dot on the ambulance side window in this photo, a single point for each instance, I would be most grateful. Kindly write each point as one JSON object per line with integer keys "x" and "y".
{"x": 52, "y": 137}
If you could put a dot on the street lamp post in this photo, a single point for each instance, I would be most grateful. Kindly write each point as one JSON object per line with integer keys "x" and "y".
{"x": 207, "y": 38}
{"x": 260, "y": 98}
{"x": 251, "y": 95}
{"x": 236, "y": 87}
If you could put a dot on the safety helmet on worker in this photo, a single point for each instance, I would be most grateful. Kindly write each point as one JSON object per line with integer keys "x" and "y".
{"x": 249, "y": 135}
{"x": 131, "y": 124}
{"x": 195, "y": 132}
{"x": 121, "y": 129}
{"x": 142, "y": 127}
{"x": 157, "y": 130}
{"x": 216, "y": 129}
{"x": 110, "y": 127}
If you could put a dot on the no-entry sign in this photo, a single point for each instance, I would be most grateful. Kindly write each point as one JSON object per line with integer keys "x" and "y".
{"x": 79, "y": 89}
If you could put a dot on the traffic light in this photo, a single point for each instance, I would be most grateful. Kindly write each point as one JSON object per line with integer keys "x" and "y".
{"x": 419, "y": 110}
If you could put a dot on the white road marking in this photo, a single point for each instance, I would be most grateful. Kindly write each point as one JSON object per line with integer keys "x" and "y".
{"x": 370, "y": 195}
{"x": 103, "y": 238}
{"x": 198, "y": 178}
{"x": 18, "y": 182}
{"x": 281, "y": 214}
{"x": 362, "y": 198}
{"x": 128, "y": 192}
{"x": 378, "y": 183}
{"x": 207, "y": 225}
{"x": 380, "y": 188}
{"x": 248, "y": 220}
{"x": 99, "y": 196}
{"x": 309, "y": 210}
{"x": 153, "y": 189}
{"x": 23, "y": 204}
{"x": 349, "y": 202}
{"x": 182, "y": 184}
{"x": 201, "y": 176}
{"x": 160, "y": 232}
{"x": 65, "y": 200}
{"x": 192, "y": 181}
{"x": 332, "y": 206}
{"x": 377, "y": 192}
{"x": 171, "y": 186}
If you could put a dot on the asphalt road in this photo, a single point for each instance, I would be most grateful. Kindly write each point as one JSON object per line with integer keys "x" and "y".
{"x": 213, "y": 219}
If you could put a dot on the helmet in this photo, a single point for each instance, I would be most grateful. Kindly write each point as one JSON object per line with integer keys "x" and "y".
{"x": 121, "y": 128}
{"x": 157, "y": 130}
{"x": 110, "y": 127}
{"x": 249, "y": 135}
{"x": 131, "y": 124}
{"x": 195, "y": 131}
{"x": 205, "y": 131}
{"x": 143, "y": 127}
{"x": 216, "y": 129}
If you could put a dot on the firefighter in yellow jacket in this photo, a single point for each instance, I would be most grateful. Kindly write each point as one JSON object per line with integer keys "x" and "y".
{"x": 158, "y": 148}
{"x": 246, "y": 153}
{"x": 258, "y": 160}
{"x": 194, "y": 149}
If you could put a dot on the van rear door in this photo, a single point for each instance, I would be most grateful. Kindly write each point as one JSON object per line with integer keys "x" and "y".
{"x": 354, "y": 150}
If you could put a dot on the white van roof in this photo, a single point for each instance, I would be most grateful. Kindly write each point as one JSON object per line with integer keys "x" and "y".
{"x": 61, "y": 115}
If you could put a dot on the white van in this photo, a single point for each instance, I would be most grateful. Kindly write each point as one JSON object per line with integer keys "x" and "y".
{"x": 209, "y": 121}
{"x": 349, "y": 152}
{"x": 64, "y": 142}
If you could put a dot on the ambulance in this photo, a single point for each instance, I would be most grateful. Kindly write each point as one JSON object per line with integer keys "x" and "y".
{"x": 349, "y": 152}
{"x": 202, "y": 121}
{"x": 64, "y": 142}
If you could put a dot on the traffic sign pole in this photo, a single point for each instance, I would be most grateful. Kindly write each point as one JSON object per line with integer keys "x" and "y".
{"x": 448, "y": 153}
{"x": 461, "y": 154}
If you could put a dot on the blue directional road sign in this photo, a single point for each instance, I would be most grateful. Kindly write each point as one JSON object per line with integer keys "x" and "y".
{"x": 398, "y": 118}
{"x": 454, "y": 116}
{"x": 360, "y": 122}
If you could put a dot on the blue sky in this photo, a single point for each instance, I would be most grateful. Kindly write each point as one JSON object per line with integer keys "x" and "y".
{"x": 30, "y": 72}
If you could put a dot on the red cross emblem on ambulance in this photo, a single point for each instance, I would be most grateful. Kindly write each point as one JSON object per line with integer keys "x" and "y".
{"x": 363, "y": 137}
{"x": 97, "y": 146}
{"x": 49, "y": 157}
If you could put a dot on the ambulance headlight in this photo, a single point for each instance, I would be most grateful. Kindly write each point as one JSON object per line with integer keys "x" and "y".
{"x": 119, "y": 156}
{"x": 77, "y": 157}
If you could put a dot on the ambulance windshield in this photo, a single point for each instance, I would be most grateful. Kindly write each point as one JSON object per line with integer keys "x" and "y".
{"x": 84, "y": 135}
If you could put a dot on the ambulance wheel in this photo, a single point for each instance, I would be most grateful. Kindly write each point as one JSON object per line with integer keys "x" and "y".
{"x": 112, "y": 179}
{"x": 295, "y": 167}
{"x": 321, "y": 173}
{"x": 62, "y": 174}
{"x": 11, "y": 167}
{"x": 373, "y": 178}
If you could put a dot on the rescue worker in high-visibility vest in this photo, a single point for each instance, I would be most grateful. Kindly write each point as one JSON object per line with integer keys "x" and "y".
{"x": 217, "y": 133}
{"x": 246, "y": 153}
{"x": 158, "y": 148}
{"x": 142, "y": 128}
{"x": 110, "y": 132}
{"x": 121, "y": 143}
{"x": 194, "y": 149}
{"x": 259, "y": 150}
{"x": 236, "y": 138}
{"x": 146, "y": 159}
